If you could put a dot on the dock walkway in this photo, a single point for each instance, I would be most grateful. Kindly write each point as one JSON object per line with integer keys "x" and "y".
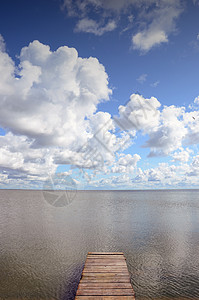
{"x": 105, "y": 276}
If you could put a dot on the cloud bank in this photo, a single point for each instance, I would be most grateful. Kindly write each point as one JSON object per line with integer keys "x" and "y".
{"x": 49, "y": 111}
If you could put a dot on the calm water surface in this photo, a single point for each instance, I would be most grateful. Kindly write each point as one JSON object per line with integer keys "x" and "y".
{"x": 43, "y": 248}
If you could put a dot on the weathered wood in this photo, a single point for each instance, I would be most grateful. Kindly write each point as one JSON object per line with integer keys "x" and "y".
{"x": 106, "y": 256}
{"x": 105, "y": 292}
{"x": 94, "y": 269}
{"x": 112, "y": 285}
{"x": 106, "y": 279}
{"x": 105, "y": 253}
{"x": 106, "y": 261}
{"x": 105, "y": 276}
{"x": 105, "y": 298}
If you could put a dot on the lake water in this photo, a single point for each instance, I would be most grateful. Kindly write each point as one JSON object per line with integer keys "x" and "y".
{"x": 43, "y": 246}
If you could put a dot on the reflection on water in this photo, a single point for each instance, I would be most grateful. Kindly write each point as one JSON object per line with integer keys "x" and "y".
{"x": 43, "y": 248}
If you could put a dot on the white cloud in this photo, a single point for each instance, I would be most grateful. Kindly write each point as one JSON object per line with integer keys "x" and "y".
{"x": 91, "y": 26}
{"x": 166, "y": 174}
{"x": 129, "y": 160}
{"x": 191, "y": 122}
{"x": 194, "y": 167}
{"x": 142, "y": 78}
{"x": 120, "y": 182}
{"x": 155, "y": 84}
{"x": 182, "y": 155}
{"x": 16, "y": 154}
{"x": 196, "y": 100}
{"x": 169, "y": 134}
{"x": 162, "y": 176}
{"x": 147, "y": 39}
{"x": 126, "y": 163}
{"x": 140, "y": 113}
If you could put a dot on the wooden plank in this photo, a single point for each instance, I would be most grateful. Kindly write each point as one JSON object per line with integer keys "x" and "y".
{"x": 98, "y": 260}
{"x": 94, "y": 269}
{"x": 112, "y": 285}
{"x": 121, "y": 265}
{"x": 105, "y": 292}
{"x": 105, "y": 298}
{"x": 105, "y": 285}
{"x": 105, "y": 263}
{"x": 106, "y": 267}
{"x": 110, "y": 279}
{"x": 105, "y": 276}
{"x": 105, "y": 253}
{"x": 105, "y": 256}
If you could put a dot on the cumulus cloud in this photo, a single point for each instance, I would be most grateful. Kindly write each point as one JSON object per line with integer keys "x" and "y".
{"x": 139, "y": 113}
{"x": 129, "y": 160}
{"x": 52, "y": 94}
{"x": 169, "y": 134}
{"x": 182, "y": 155}
{"x": 191, "y": 122}
{"x": 155, "y": 20}
{"x": 48, "y": 108}
{"x": 126, "y": 163}
{"x": 16, "y": 154}
{"x": 166, "y": 129}
{"x": 163, "y": 174}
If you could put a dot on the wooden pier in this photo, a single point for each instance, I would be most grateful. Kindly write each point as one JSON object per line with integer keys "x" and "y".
{"x": 105, "y": 276}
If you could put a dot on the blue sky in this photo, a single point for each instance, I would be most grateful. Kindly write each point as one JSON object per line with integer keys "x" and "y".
{"x": 105, "y": 93}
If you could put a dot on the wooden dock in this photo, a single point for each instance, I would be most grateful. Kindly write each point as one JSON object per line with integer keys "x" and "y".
{"x": 105, "y": 276}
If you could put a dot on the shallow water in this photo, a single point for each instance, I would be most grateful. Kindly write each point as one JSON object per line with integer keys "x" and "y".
{"x": 43, "y": 247}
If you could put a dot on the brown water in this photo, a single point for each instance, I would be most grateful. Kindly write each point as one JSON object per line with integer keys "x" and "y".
{"x": 43, "y": 247}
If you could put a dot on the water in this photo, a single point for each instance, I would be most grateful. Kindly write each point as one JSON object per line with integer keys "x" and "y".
{"x": 43, "y": 247}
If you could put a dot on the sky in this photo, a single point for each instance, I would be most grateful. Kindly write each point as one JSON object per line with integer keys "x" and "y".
{"x": 99, "y": 94}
